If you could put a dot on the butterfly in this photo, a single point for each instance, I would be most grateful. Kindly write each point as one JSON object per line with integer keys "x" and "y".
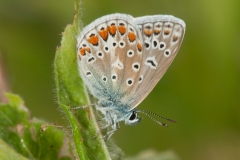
{"x": 122, "y": 58}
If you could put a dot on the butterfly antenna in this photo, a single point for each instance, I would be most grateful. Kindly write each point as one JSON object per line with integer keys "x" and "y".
{"x": 149, "y": 112}
{"x": 160, "y": 123}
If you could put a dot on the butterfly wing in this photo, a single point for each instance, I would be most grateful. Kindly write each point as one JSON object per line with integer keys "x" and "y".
{"x": 162, "y": 37}
{"x": 109, "y": 57}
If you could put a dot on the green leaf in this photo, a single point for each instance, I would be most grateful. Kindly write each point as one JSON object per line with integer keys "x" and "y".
{"x": 23, "y": 136}
{"x": 6, "y": 152}
{"x": 71, "y": 92}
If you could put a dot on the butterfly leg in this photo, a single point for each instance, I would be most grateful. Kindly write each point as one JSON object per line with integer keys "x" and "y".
{"x": 108, "y": 119}
{"x": 102, "y": 128}
{"x": 110, "y": 133}
{"x": 101, "y": 119}
{"x": 115, "y": 127}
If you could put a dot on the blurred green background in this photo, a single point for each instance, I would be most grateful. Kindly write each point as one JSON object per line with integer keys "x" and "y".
{"x": 201, "y": 89}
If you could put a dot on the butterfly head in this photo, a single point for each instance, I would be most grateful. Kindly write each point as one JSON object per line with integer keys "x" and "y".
{"x": 133, "y": 118}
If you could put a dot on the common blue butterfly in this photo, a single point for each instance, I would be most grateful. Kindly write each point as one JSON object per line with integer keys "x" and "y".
{"x": 122, "y": 58}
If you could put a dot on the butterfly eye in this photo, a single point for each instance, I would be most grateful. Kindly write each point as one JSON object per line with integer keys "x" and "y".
{"x": 133, "y": 119}
{"x": 133, "y": 116}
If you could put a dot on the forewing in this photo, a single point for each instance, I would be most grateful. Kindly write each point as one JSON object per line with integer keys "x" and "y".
{"x": 109, "y": 56}
{"x": 162, "y": 38}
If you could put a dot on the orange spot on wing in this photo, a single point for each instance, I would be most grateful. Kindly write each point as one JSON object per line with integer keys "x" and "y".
{"x": 87, "y": 49}
{"x": 122, "y": 30}
{"x": 103, "y": 34}
{"x": 175, "y": 38}
{"x": 93, "y": 40}
{"x": 82, "y": 51}
{"x": 112, "y": 30}
{"x": 157, "y": 31}
{"x": 148, "y": 32}
{"x": 131, "y": 36}
{"x": 166, "y": 32}
{"x": 139, "y": 46}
